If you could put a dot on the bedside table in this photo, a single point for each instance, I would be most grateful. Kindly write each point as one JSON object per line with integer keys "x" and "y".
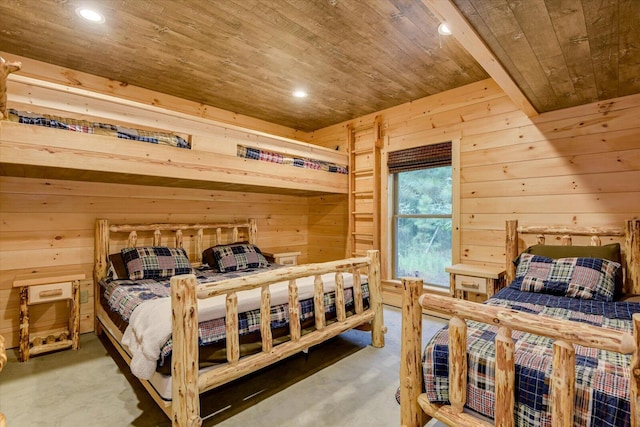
{"x": 47, "y": 288}
{"x": 284, "y": 258}
{"x": 479, "y": 279}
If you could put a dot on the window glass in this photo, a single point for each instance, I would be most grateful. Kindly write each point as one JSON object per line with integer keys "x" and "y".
{"x": 422, "y": 224}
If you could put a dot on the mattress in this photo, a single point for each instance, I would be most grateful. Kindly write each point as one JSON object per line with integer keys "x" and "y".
{"x": 602, "y": 377}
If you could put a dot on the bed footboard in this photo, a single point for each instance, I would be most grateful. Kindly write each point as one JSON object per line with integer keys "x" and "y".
{"x": 188, "y": 384}
{"x": 565, "y": 333}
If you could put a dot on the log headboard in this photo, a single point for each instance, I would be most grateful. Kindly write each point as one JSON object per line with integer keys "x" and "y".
{"x": 194, "y": 238}
{"x": 630, "y": 246}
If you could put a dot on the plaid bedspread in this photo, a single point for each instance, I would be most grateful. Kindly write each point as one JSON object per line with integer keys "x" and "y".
{"x": 301, "y": 162}
{"x": 125, "y": 295}
{"x": 106, "y": 129}
{"x": 602, "y": 377}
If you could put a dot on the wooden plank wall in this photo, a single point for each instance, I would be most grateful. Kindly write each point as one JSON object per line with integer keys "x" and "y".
{"x": 574, "y": 166}
{"x": 48, "y": 225}
{"x": 327, "y": 227}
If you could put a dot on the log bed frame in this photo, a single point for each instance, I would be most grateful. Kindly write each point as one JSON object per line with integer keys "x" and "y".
{"x": 187, "y": 382}
{"x": 414, "y": 402}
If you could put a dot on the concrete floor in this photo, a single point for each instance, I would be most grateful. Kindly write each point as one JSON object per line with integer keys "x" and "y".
{"x": 344, "y": 382}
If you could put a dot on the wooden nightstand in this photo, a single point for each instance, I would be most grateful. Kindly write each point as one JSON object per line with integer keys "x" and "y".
{"x": 46, "y": 288}
{"x": 284, "y": 258}
{"x": 479, "y": 279}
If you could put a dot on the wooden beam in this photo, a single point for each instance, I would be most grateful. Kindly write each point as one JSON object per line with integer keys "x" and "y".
{"x": 447, "y": 12}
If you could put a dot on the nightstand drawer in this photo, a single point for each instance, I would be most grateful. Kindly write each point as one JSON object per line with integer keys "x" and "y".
{"x": 471, "y": 284}
{"x": 287, "y": 260}
{"x": 49, "y": 292}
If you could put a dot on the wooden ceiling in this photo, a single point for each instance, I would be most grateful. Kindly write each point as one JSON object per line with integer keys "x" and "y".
{"x": 353, "y": 57}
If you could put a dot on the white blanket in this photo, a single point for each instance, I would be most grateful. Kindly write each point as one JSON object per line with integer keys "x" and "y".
{"x": 150, "y": 323}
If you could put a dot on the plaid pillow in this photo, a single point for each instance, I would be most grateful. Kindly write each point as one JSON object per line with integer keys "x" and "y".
{"x": 238, "y": 256}
{"x": 155, "y": 262}
{"x": 584, "y": 278}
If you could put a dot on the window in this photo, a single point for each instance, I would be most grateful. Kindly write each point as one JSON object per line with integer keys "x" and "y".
{"x": 422, "y": 213}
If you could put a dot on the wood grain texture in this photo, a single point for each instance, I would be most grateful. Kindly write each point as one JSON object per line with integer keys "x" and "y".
{"x": 374, "y": 53}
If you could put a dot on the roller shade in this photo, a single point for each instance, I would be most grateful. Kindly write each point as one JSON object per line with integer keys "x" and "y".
{"x": 427, "y": 156}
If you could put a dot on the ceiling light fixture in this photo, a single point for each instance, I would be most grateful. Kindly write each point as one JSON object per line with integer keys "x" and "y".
{"x": 300, "y": 94}
{"x": 90, "y": 15}
{"x": 444, "y": 29}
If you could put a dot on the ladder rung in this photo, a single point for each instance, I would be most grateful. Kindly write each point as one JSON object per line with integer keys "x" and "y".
{"x": 363, "y": 237}
{"x": 362, "y": 213}
{"x": 363, "y": 171}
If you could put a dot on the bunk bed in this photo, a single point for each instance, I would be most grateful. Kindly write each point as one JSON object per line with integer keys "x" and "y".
{"x": 558, "y": 346}
{"x": 163, "y": 146}
{"x": 258, "y": 316}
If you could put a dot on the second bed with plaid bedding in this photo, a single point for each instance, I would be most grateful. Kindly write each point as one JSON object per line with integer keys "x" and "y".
{"x": 602, "y": 377}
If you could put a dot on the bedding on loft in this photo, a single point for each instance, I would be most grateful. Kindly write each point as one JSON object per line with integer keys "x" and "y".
{"x": 286, "y": 159}
{"x": 97, "y": 128}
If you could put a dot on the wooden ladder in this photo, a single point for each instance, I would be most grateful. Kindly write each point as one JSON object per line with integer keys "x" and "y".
{"x": 364, "y": 145}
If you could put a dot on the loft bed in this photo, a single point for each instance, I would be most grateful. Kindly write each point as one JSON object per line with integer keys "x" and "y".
{"x": 207, "y": 158}
{"x": 558, "y": 346}
{"x": 249, "y": 314}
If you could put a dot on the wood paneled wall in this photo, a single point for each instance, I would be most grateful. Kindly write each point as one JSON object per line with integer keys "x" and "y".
{"x": 574, "y": 166}
{"x": 48, "y": 225}
{"x": 327, "y": 227}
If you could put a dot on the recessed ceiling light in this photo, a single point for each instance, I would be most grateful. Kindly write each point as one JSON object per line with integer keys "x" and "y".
{"x": 300, "y": 94}
{"x": 90, "y": 15}
{"x": 444, "y": 29}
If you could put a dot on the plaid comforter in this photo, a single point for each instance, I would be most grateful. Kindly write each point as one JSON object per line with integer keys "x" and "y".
{"x": 125, "y": 295}
{"x": 106, "y": 129}
{"x": 602, "y": 377}
{"x": 301, "y": 162}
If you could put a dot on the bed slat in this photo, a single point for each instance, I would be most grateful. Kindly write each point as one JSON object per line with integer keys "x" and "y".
{"x": 265, "y": 319}
{"x": 133, "y": 238}
{"x": 340, "y": 308}
{"x": 294, "y": 311}
{"x": 231, "y": 321}
{"x": 318, "y": 301}
{"x": 157, "y": 237}
{"x": 357, "y": 291}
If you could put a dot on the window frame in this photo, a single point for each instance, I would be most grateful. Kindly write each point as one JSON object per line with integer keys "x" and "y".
{"x": 387, "y": 195}
{"x": 395, "y": 216}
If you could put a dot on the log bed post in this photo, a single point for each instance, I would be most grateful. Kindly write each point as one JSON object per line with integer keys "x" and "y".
{"x": 375, "y": 299}
{"x": 6, "y": 68}
{"x": 632, "y": 256}
{"x": 411, "y": 349}
{"x": 511, "y": 249}
{"x": 184, "y": 362}
{"x": 634, "y": 379}
{"x": 101, "y": 264}
{"x": 3, "y": 360}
